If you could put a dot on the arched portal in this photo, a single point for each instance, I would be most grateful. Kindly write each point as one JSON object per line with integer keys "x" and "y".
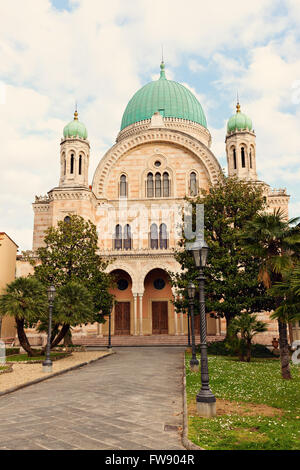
{"x": 122, "y": 315}
{"x": 158, "y": 310}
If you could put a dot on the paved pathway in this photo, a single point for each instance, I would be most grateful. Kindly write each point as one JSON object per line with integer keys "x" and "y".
{"x": 121, "y": 402}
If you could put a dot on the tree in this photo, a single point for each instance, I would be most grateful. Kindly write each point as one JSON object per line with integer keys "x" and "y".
{"x": 247, "y": 326}
{"x": 275, "y": 242}
{"x": 70, "y": 256}
{"x": 24, "y": 299}
{"x": 231, "y": 274}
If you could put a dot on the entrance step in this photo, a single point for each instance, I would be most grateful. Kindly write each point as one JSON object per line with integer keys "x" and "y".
{"x": 149, "y": 340}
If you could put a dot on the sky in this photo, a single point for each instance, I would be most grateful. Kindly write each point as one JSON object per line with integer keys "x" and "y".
{"x": 99, "y": 53}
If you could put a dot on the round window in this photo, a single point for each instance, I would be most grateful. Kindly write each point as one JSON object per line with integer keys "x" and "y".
{"x": 122, "y": 284}
{"x": 159, "y": 284}
{"x": 157, "y": 163}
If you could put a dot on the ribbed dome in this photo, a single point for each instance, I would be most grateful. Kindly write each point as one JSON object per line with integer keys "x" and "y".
{"x": 170, "y": 98}
{"x": 75, "y": 128}
{"x": 239, "y": 121}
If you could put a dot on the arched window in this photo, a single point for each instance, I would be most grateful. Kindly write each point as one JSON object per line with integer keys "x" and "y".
{"x": 153, "y": 237}
{"x": 67, "y": 219}
{"x": 127, "y": 237}
{"x": 123, "y": 186}
{"x": 166, "y": 185}
{"x": 72, "y": 164}
{"x": 157, "y": 185}
{"x": 150, "y": 185}
{"x": 80, "y": 165}
{"x": 65, "y": 164}
{"x": 243, "y": 157}
{"x": 250, "y": 158}
{"x": 163, "y": 236}
{"x": 234, "y": 159}
{"x": 118, "y": 237}
{"x": 193, "y": 184}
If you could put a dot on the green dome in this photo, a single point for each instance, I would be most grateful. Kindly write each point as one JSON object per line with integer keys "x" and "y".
{"x": 170, "y": 98}
{"x": 239, "y": 121}
{"x": 75, "y": 128}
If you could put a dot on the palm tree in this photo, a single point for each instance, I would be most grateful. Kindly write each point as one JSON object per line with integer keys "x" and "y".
{"x": 24, "y": 299}
{"x": 247, "y": 326}
{"x": 276, "y": 242}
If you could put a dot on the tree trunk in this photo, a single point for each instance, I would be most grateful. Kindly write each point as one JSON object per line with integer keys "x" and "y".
{"x": 23, "y": 338}
{"x": 284, "y": 350}
{"x": 68, "y": 338}
{"x": 248, "y": 351}
{"x": 64, "y": 330}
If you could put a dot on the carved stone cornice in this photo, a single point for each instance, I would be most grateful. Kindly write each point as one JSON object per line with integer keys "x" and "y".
{"x": 164, "y": 135}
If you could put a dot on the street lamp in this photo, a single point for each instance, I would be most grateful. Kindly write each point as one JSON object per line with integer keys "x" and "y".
{"x": 194, "y": 363}
{"x": 109, "y": 331}
{"x": 47, "y": 364}
{"x": 206, "y": 401}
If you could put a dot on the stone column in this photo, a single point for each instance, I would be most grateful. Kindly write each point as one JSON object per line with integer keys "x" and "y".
{"x": 135, "y": 313}
{"x": 175, "y": 322}
{"x": 218, "y": 326}
{"x": 99, "y": 330}
{"x": 181, "y": 323}
{"x": 141, "y": 314}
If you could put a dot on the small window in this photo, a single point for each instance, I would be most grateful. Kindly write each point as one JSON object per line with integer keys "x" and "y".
{"x": 80, "y": 164}
{"x": 158, "y": 185}
{"x": 123, "y": 186}
{"x": 150, "y": 185}
{"x": 193, "y": 184}
{"x": 122, "y": 284}
{"x": 153, "y": 237}
{"x": 72, "y": 164}
{"x": 159, "y": 284}
{"x": 250, "y": 158}
{"x": 243, "y": 157}
{"x": 163, "y": 237}
{"x": 67, "y": 219}
{"x": 127, "y": 237}
{"x": 234, "y": 159}
{"x": 118, "y": 237}
{"x": 166, "y": 185}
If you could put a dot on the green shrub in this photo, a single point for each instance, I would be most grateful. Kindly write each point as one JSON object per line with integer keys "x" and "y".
{"x": 218, "y": 348}
{"x": 10, "y": 351}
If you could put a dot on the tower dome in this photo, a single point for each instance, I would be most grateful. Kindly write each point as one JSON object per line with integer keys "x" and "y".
{"x": 75, "y": 128}
{"x": 169, "y": 98}
{"x": 239, "y": 121}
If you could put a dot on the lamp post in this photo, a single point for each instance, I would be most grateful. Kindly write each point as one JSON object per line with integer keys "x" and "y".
{"x": 189, "y": 329}
{"x": 194, "y": 363}
{"x": 206, "y": 401}
{"x": 109, "y": 331}
{"x": 47, "y": 364}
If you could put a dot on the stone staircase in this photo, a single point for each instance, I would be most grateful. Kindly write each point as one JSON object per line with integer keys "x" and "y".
{"x": 147, "y": 340}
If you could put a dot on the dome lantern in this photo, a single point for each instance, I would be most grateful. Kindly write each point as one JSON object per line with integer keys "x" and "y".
{"x": 239, "y": 121}
{"x": 168, "y": 97}
{"x": 75, "y": 128}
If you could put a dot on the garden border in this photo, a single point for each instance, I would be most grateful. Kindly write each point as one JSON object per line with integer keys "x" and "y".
{"x": 54, "y": 374}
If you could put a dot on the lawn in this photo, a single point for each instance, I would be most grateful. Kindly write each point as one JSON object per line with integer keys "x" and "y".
{"x": 256, "y": 409}
{"x": 24, "y": 357}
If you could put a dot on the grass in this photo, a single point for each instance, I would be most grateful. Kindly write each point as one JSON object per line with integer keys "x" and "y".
{"x": 247, "y": 427}
{"x": 24, "y": 357}
{"x": 3, "y": 367}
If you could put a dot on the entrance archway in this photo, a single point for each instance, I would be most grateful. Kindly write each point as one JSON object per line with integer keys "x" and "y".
{"x": 157, "y": 302}
{"x": 122, "y": 311}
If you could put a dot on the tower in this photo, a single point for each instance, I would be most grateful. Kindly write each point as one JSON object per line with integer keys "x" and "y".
{"x": 74, "y": 155}
{"x": 241, "y": 146}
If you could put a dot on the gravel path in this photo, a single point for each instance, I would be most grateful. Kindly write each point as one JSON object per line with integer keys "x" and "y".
{"x": 23, "y": 373}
